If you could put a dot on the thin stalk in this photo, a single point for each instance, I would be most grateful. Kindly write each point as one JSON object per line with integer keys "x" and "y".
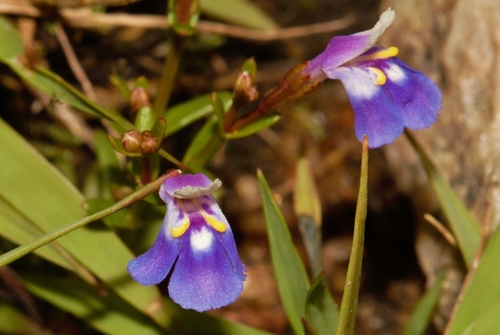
{"x": 168, "y": 75}
{"x": 25, "y": 249}
{"x": 172, "y": 159}
{"x": 349, "y": 305}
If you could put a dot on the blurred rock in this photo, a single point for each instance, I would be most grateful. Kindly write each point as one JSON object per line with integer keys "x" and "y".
{"x": 457, "y": 44}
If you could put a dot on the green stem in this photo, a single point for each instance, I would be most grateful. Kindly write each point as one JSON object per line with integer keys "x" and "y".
{"x": 168, "y": 77}
{"x": 351, "y": 290}
{"x": 172, "y": 159}
{"x": 25, "y": 249}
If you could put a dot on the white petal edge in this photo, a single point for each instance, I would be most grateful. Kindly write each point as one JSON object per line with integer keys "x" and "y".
{"x": 188, "y": 192}
{"x": 385, "y": 20}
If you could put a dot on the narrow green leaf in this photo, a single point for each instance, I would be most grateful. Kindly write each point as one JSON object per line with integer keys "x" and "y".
{"x": 250, "y": 66}
{"x": 482, "y": 294}
{"x": 220, "y": 112}
{"x": 159, "y": 130}
{"x": 307, "y": 207}
{"x": 349, "y": 304}
{"x": 107, "y": 312}
{"x": 464, "y": 227}
{"x": 121, "y": 84}
{"x": 322, "y": 312}
{"x": 121, "y": 219}
{"x": 34, "y": 188}
{"x": 47, "y": 81}
{"x": 240, "y": 12}
{"x": 204, "y": 146}
{"x": 262, "y": 123}
{"x": 12, "y": 44}
{"x": 291, "y": 276}
{"x": 487, "y": 323}
{"x": 194, "y": 323}
{"x": 183, "y": 114}
{"x": 18, "y": 229}
{"x": 55, "y": 86}
{"x": 15, "y": 322}
{"x": 144, "y": 120}
{"x": 421, "y": 316}
{"x": 111, "y": 174}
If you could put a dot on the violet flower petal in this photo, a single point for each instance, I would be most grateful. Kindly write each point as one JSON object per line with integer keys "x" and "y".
{"x": 154, "y": 265}
{"x": 418, "y": 98}
{"x": 375, "y": 114}
{"x": 196, "y": 245}
{"x": 204, "y": 277}
{"x": 342, "y": 49}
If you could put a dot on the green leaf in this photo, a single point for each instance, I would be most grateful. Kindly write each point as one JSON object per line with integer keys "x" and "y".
{"x": 482, "y": 296}
{"x": 240, "y": 12}
{"x": 15, "y": 322}
{"x": 144, "y": 120}
{"x": 250, "y": 66}
{"x": 204, "y": 146}
{"x": 422, "y": 314}
{"x": 121, "y": 84}
{"x": 322, "y": 312}
{"x": 12, "y": 44}
{"x": 105, "y": 312}
{"x": 32, "y": 187}
{"x": 195, "y": 323}
{"x": 464, "y": 227}
{"x": 188, "y": 112}
{"x": 121, "y": 219}
{"x": 291, "y": 276}
{"x": 219, "y": 110}
{"x": 55, "y": 86}
{"x": 487, "y": 323}
{"x": 307, "y": 207}
{"x": 264, "y": 122}
{"x": 47, "y": 81}
{"x": 18, "y": 229}
{"x": 110, "y": 172}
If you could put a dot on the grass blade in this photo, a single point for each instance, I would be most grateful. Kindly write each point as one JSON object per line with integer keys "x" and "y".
{"x": 291, "y": 276}
{"x": 464, "y": 227}
{"x": 421, "y": 316}
{"x": 322, "y": 312}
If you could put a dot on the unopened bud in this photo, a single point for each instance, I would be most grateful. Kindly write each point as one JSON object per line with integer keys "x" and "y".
{"x": 139, "y": 98}
{"x": 148, "y": 145}
{"x": 131, "y": 141}
{"x": 244, "y": 89}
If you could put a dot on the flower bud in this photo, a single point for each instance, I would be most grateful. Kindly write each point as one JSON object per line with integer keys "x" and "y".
{"x": 132, "y": 141}
{"x": 139, "y": 98}
{"x": 244, "y": 89}
{"x": 149, "y": 143}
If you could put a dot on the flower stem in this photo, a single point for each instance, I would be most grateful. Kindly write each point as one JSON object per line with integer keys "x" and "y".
{"x": 172, "y": 159}
{"x": 168, "y": 76}
{"x": 351, "y": 290}
{"x": 25, "y": 249}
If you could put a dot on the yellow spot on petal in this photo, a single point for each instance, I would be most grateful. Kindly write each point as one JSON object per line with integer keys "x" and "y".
{"x": 180, "y": 230}
{"x": 387, "y": 53}
{"x": 382, "y": 54}
{"x": 216, "y": 224}
{"x": 381, "y": 78}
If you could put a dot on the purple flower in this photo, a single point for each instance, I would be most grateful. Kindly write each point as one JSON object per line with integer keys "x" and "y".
{"x": 196, "y": 245}
{"x": 385, "y": 93}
